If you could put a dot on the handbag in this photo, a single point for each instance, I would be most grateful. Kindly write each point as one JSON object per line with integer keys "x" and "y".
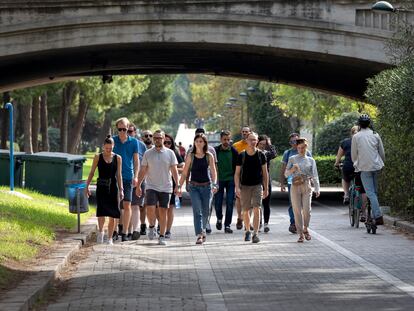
{"x": 298, "y": 180}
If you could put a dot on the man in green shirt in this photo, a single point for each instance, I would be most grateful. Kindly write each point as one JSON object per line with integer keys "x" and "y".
{"x": 226, "y": 167}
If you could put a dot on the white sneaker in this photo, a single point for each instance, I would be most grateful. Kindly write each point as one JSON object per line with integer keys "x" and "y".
{"x": 100, "y": 237}
{"x": 151, "y": 233}
{"x": 161, "y": 241}
{"x": 109, "y": 242}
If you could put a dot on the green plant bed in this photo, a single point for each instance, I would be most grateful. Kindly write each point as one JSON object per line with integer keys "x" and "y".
{"x": 327, "y": 173}
{"x": 27, "y": 225}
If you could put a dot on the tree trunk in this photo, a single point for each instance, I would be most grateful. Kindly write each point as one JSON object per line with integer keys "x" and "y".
{"x": 76, "y": 131}
{"x": 35, "y": 123}
{"x": 4, "y": 119}
{"x": 27, "y": 127}
{"x": 68, "y": 96}
{"x": 106, "y": 128}
{"x": 44, "y": 122}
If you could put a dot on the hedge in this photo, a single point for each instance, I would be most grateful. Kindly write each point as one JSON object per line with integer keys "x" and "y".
{"x": 328, "y": 175}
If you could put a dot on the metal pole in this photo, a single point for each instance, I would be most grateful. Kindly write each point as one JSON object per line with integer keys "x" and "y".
{"x": 11, "y": 139}
{"x": 78, "y": 206}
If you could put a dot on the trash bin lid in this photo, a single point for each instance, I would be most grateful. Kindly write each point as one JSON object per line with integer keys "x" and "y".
{"x": 54, "y": 157}
{"x": 5, "y": 153}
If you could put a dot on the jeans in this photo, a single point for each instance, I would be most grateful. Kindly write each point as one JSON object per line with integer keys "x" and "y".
{"x": 290, "y": 209}
{"x": 200, "y": 201}
{"x": 229, "y": 187}
{"x": 370, "y": 183}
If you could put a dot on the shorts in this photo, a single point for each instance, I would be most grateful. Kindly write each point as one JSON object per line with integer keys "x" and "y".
{"x": 127, "y": 184}
{"x": 347, "y": 173}
{"x": 153, "y": 197}
{"x": 136, "y": 200}
{"x": 251, "y": 196}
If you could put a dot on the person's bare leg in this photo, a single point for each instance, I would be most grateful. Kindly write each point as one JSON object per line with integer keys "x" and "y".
{"x": 239, "y": 209}
{"x": 151, "y": 215}
{"x": 256, "y": 219}
{"x": 170, "y": 217}
{"x": 162, "y": 219}
{"x": 111, "y": 227}
{"x": 246, "y": 219}
{"x": 345, "y": 187}
{"x": 142, "y": 214}
{"x": 133, "y": 226}
{"x": 127, "y": 216}
{"x": 101, "y": 223}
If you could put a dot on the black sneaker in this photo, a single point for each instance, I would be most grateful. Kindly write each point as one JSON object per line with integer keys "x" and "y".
{"x": 158, "y": 229}
{"x": 135, "y": 235}
{"x": 247, "y": 236}
{"x": 266, "y": 228}
{"x": 346, "y": 200}
{"x": 124, "y": 237}
{"x": 292, "y": 228}
{"x": 115, "y": 236}
{"x": 143, "y": 229}
{"x": 129, "y": 236}
{"x": 255, "y": 238}
{"x": 208, "y": 229}
{"x": 228, "y": 230}
{"x": 219, "y": 224}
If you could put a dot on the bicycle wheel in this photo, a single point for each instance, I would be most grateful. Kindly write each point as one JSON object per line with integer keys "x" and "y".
{"x": 351, "y": 207}
{"x": 356, "y": 217}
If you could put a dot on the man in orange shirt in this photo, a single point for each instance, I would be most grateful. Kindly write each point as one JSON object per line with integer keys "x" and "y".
{"x": 240, "y": 146}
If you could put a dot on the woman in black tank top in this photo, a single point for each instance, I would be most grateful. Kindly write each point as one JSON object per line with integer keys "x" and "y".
{"x": 108, "y": 188}
{"x": 198, "y": 164}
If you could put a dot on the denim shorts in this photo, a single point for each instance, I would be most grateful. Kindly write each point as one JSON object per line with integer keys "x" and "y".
{"x": 153, "y": 197}
{"x": 127, "y": 184}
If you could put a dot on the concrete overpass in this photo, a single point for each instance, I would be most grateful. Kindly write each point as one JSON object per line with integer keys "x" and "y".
{"x": 332, "y": 45}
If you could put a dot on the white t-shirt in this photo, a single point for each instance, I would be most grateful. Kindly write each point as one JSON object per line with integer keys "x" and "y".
{"x": 159, "y": 163}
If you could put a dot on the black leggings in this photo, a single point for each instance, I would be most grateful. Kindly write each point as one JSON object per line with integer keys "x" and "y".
{"x": 266, "y": 205}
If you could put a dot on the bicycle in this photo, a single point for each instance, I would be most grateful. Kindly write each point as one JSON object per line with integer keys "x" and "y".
{"x": 370, "y": 223}
{"x": 355, "y": 203}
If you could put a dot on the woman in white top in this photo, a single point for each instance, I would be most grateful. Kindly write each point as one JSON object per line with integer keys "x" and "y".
{"x": 303, "y": 170}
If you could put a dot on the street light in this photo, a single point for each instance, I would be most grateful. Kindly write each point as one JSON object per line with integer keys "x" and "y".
{"x": 383, "y": 7}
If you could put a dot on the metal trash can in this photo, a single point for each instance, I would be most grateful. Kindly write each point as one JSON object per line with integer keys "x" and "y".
{"x": 5, "y": 168}
{"x": 78, "y": 200}
{"x": 48, "y": 172}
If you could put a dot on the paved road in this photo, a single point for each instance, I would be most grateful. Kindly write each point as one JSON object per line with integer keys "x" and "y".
{"x": 340, "y": 269}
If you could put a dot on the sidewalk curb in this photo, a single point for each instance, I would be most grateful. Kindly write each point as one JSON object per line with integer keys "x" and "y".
{"x": 33, "y": 288}
{"x": 395, "y": 222}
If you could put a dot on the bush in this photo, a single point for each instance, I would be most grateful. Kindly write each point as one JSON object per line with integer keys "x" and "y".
{"x": 393, "y": 91}
{"x": 325, "y": 164}
{"x": 331, "y": 135}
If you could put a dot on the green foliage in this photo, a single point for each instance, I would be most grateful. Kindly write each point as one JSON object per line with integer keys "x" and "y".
{"x": 54, "y": 139}
{"x": 328, "y": 175}
{"x": 393, "y": 92}
{"x": 269, "y": 119}
{"x": 331, "y": 135}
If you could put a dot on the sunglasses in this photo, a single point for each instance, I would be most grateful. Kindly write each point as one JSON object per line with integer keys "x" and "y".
{"x": 130, "y": 131}
{"x": 292, "y": 142}
{"x": 122, "y": 129}
{"x": 148, "y": 135}
{"x": 167, "y": 143}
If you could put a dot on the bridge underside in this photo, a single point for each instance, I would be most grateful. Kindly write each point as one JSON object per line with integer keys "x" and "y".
{"x": 335, "y": 74}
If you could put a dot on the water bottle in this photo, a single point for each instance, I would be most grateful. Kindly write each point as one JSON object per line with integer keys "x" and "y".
{"x": 177, "y": 202}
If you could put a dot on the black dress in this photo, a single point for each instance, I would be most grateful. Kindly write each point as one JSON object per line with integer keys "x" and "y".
{"x": 107, "y": 197}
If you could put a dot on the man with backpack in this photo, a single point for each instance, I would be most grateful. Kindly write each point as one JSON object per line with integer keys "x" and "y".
{"x": 252, "y": 182}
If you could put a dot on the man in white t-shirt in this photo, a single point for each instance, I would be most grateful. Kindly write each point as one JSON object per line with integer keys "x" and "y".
{"x": 158, "y": 164}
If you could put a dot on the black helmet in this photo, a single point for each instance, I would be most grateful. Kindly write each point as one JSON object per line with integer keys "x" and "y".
{"x": 364, "y": 120}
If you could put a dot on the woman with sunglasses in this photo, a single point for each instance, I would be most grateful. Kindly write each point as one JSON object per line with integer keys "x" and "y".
{"x": 197, "y": 164}
{"x": 169, "y": 143}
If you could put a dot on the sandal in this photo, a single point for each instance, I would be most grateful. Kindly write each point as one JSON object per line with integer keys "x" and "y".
{"x": 300, "y": 240}
{"x": 307, "y": 236}
{"x": 199, "y": 240}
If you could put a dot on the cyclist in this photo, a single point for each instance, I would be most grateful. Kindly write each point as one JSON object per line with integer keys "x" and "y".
{"x": 348, "y": 167}
{"x": 368, "y": 156}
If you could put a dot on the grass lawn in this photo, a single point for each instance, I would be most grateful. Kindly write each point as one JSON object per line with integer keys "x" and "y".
{"x": 29, "y": 225}
{"x": 87, "y": 167}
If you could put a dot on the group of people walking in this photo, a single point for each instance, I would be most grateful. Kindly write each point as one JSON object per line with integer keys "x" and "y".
{"x": 147, "y": 176}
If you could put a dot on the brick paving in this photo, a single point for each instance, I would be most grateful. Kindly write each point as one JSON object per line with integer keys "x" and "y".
{"x": 230, "y": 274}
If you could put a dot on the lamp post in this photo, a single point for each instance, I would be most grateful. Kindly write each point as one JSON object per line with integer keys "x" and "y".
{"x": 383, "y": 7}
{"x": 9, "y": 106}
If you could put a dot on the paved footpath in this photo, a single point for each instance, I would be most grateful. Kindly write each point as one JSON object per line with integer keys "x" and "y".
{"x": 342, "y": 268}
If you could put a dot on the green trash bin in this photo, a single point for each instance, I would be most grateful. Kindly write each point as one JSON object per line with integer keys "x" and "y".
{"x": 5, "y": 168}
{"x": 48, "y": 172}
